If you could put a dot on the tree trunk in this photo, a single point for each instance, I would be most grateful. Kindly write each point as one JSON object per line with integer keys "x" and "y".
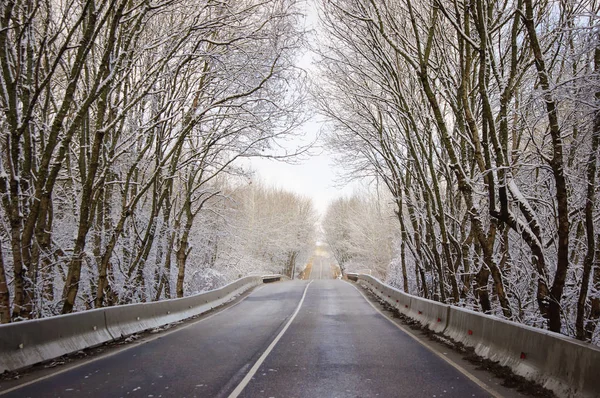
{"x": 436, "y": 256}
{"x": 44, "y": 243}
{"x": 291, "y": 264}
{"x": 481, "y": 290}
{"x": 183, "y": 251}
{"x": 165, "y": 273}
{"x": 467, "y": 275}
{"x": 557, "y": 165}
{"x": 103, "y": 282}
{"x": 594, "y": 316}
{"x": 417, "y": 237}
{"x": 588, "y": 261}
{"x": 4, "y": 293}
{"x": 404, "y": 237}
{"x": 181, "y": 255}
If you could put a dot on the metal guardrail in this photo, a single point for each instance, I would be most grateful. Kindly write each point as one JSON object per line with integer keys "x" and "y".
{"x": 26, "y": 343}
{"x": 566, "y": 366}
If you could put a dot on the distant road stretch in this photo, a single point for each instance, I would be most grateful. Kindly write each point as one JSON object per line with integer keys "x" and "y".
{"x": 317, "y": 338}
{"x": 321, "y": 268}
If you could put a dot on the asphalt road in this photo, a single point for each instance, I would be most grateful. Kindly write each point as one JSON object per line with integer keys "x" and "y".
{"x": 321, "y": 267}
{"x": 317, "y": 338}
{"x": 339, "y": 346}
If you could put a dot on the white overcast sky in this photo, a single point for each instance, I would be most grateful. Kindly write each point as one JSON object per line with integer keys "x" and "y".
{"x": 315, "y": 176}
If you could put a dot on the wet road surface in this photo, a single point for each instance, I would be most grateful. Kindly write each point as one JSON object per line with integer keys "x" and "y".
{"x": 317, "y": 338}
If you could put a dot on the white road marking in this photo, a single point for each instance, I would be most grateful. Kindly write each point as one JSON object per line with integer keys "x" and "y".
{"x": 129, "y": 346}
{"x": 430, "y": 348}
{"x": 238, "y": 390}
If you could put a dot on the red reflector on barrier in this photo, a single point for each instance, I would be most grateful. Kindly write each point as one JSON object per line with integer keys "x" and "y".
{"x": 523, "y": 355}
{"x": 470, "y": 332}
{"x": 405, "y": 305}
{"x": 396, "y": 300}
{"x": 420, "y": 312}
{"x": 439, "y": 319}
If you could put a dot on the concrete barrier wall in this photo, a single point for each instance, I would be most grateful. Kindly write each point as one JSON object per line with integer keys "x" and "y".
{"x": 26, "y": 343}
{"x": 561, "y": 364}
{"x": 275, "y": 278}
{"x": 429, "y": 313}
{"x": 352, "y": 276}
{"x": 125, "y": 320}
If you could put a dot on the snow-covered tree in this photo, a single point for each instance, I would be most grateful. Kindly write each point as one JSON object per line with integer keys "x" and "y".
{"x": 360, "y": 232}
{"x": 482, "y": 119}
{"x": 116, "y": 117}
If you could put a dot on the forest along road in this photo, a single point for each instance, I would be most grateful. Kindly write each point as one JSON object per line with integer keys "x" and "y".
{"x": 318, "y": 338}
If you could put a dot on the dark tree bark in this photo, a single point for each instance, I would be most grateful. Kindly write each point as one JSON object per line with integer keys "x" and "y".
{"x": 4, "y": 293}
{"x": 582, "y": 332}
{"x": 557, "y": 165}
